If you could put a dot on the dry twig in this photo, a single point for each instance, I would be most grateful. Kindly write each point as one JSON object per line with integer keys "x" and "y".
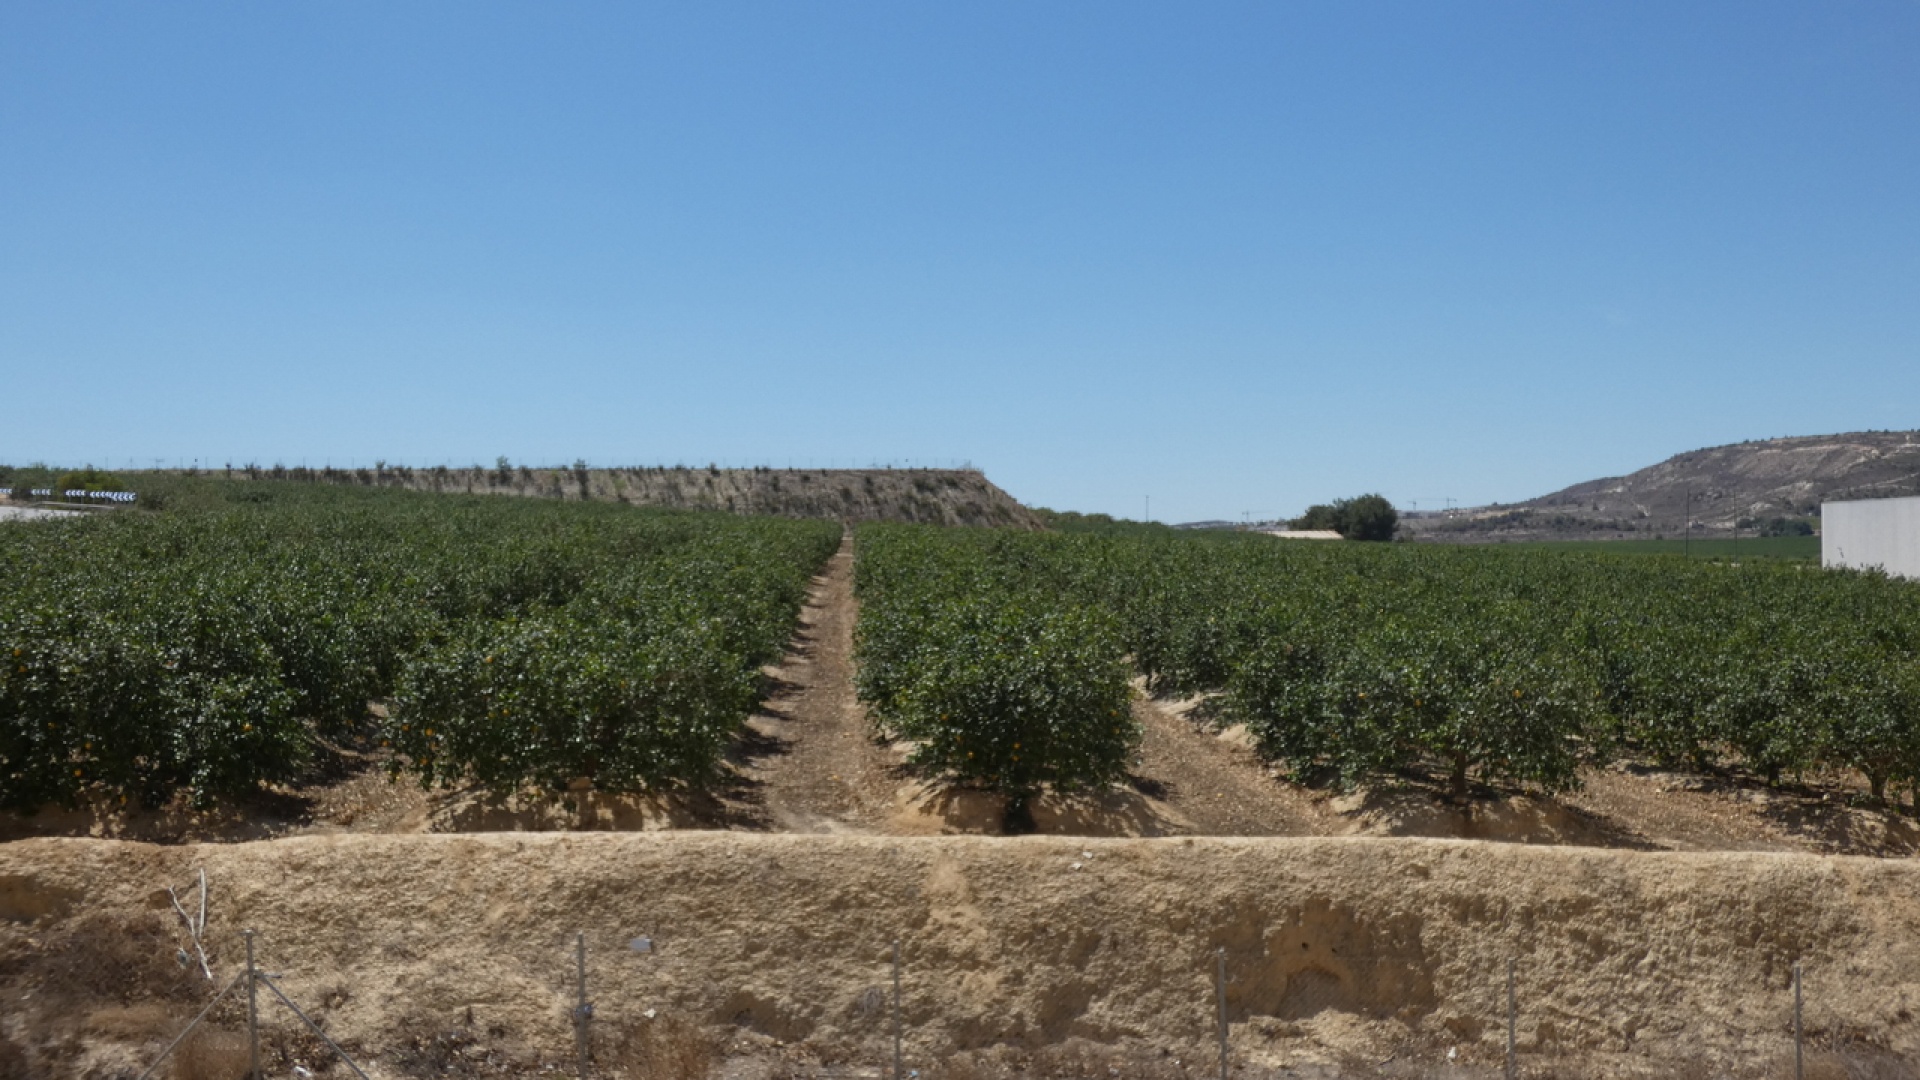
{"x": 195, "y": 931}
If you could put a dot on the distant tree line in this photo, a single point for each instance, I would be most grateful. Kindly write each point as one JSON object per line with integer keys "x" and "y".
{"x": 25, "y": 478}
{"x": 1368, "y": 517}
{"x": 1779, "y": 526}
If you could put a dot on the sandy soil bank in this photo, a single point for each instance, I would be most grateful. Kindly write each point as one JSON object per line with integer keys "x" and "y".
{"x": 1344, "y": 951}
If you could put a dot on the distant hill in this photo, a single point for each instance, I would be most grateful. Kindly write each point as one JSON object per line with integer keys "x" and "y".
{"x": 1751, "y": 484}
{"x": 933, "y": 496}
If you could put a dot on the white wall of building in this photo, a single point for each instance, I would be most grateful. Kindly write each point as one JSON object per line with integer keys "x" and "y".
{"x": 1867, "y": 533}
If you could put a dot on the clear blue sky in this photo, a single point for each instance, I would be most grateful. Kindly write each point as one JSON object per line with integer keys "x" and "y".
{"x": 1235, "y": 257}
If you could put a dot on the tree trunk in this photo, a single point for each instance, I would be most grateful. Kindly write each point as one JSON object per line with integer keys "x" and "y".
{"x": 1017, "y": 820}
{"x": 1458, "y": 781}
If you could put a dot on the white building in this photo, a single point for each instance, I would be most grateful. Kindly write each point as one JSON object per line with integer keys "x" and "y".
{"x": 1872, "y": 533}
{"x": 1302, "y": 534}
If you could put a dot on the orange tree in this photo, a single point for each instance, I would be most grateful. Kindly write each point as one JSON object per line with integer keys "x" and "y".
{"x": 211, "y": 647}
{"x": 994, "y": 682}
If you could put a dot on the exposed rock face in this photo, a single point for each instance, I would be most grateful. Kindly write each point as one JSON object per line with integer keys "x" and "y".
{"x": 1762, "y": 480}
{"x": 1337, "y": 949}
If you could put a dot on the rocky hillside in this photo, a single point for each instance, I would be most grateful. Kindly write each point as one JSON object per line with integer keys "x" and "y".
{"x": 934, "y": 496}
{"x": 1746, "y": 484}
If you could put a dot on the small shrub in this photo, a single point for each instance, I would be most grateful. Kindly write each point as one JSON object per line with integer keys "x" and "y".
{"x": 88, "y": 479}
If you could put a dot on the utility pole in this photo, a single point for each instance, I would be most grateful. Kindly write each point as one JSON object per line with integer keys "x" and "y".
{"x": 1149, "y": 508}
{"x": 1686, "y": 544}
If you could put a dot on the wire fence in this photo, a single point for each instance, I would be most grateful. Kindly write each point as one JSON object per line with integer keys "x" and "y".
{"x": 1323, "y": 1016}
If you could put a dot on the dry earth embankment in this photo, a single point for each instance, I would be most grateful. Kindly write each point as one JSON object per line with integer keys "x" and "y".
{"x": 1338, "y": 949}
{"x": 929, "y": 496}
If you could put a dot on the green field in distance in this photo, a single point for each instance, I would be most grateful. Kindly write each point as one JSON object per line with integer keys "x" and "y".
{"x": 1761, "y": 547}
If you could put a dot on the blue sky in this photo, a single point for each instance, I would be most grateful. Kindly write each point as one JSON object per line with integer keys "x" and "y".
{"x": 1235, "y": 257}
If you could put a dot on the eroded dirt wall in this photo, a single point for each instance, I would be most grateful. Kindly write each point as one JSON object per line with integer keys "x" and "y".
{"x": 1342, "y": 947}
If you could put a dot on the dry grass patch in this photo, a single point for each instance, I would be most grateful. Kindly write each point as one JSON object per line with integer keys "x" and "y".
{"x": 211, "y": 1055}
{"x": 665, "y": 1048}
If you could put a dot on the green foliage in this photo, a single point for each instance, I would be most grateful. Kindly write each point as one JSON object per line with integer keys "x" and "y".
{"x": 1367, "y": 517}
{"x": 1068, "y": 521}
{"x": 1509, "y": 665}
{"x": 1320, "y": 517}
{"x": 1014, "y": 700}
{"x": 995, "y": 681}
{"x": 1467, "y": 696}
{"x": 203, "y": 649}
{"x": 1806, "y": 548}
{"x": 87, "y": 479}
{"x": 25, "y": 478}
{"x": 551, "y": 699}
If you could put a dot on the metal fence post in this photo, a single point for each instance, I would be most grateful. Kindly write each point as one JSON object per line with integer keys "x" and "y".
{"x": 253, "y": 1012}
{"x": 189, "y": 1029}
{"x": 583, "y": 1011}
{"x": 1220, "y": 998}
{"x": 1513, "y": 1010}
{"x": 898, "y": 1074}
{"x": 1799, "y": 1058}
{"x": 311, "y": 1026}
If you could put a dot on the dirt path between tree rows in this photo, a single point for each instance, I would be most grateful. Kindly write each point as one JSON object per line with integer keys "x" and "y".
{"x": 807, "y": 761}
{"x": 1215, "y": 786}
